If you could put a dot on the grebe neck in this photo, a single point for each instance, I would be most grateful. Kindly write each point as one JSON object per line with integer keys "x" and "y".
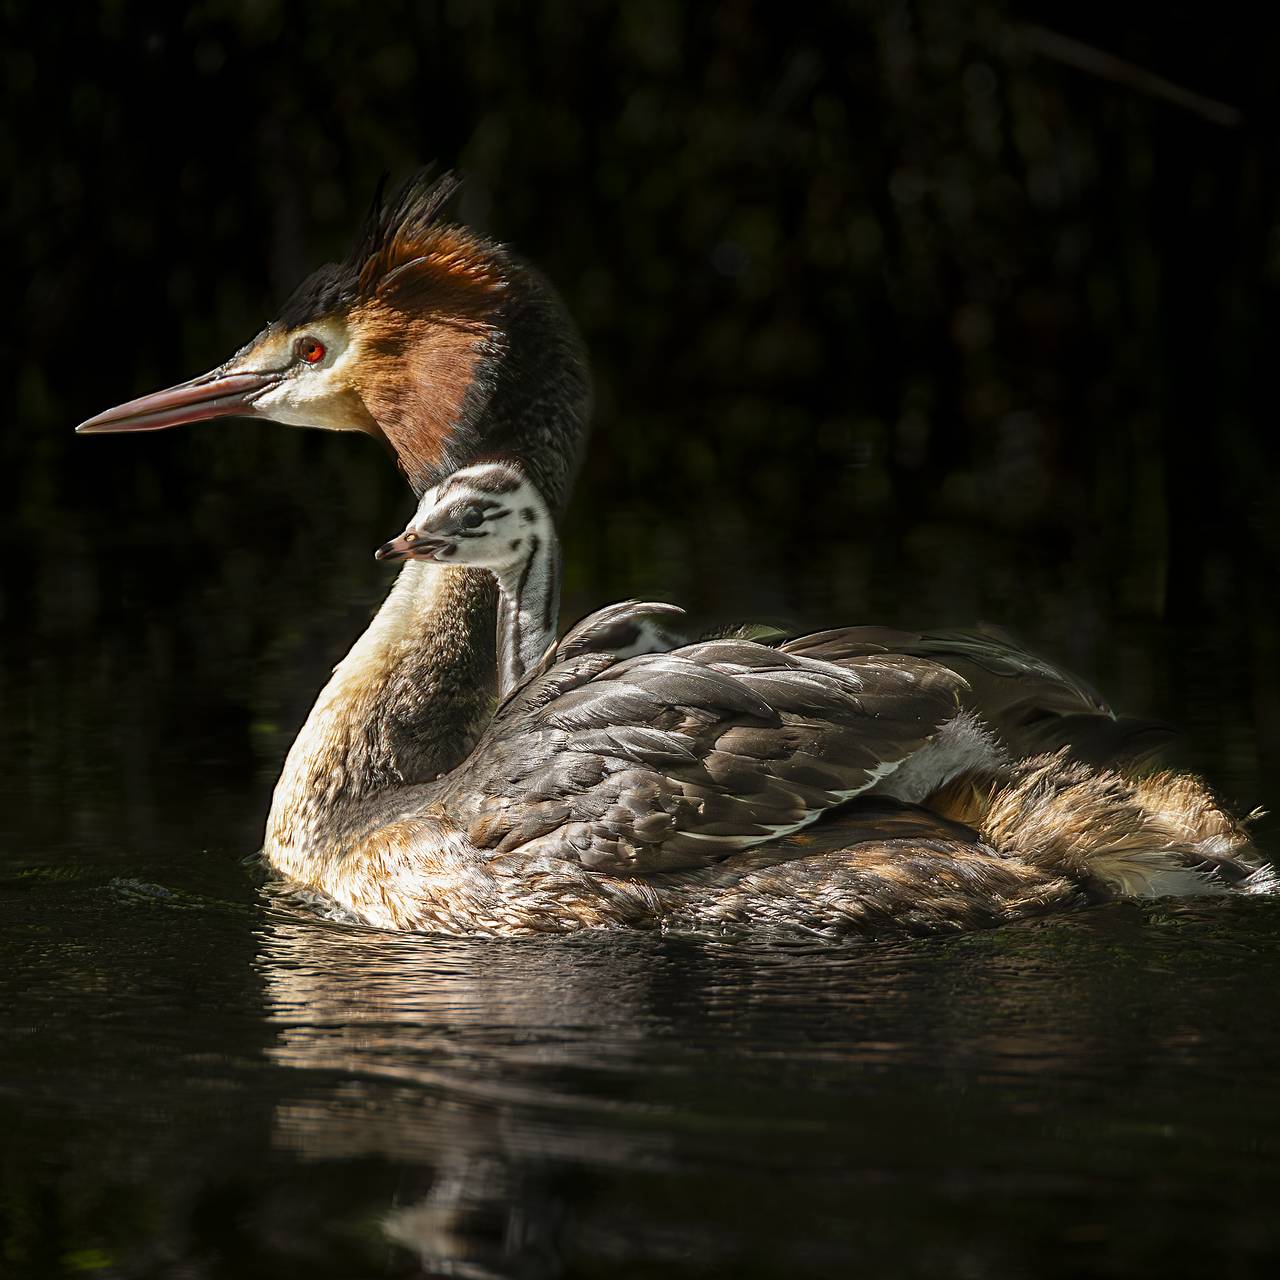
{"x": 405, "y": 705}
{"x": 528, "y": 610}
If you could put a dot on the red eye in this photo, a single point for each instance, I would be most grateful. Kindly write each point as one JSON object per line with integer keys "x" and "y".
{"x": 309, "y": 349}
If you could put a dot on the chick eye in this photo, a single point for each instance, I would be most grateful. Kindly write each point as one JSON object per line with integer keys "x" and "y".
{"x": 309, "y": 350}
{"x": 473, "y": 517}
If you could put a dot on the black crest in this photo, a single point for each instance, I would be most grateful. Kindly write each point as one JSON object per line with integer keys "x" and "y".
{"x": 392, "y": 236}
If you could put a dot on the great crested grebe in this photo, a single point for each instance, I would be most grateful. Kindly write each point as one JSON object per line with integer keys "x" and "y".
{"x": 668, "y": 789}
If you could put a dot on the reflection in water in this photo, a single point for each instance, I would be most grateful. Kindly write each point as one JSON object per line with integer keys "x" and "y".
{"x": 550, "y": 1104}
{"x": 461, "y": 1059}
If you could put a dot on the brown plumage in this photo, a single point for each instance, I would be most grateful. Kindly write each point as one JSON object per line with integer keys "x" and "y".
{"x": 1031, "y": 704}
{"x": 1116, "y": 835}
{"x": 644, "y": 793}
{"x": 1049, "y": 835}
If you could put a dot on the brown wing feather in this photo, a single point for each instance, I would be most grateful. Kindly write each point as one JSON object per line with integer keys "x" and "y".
{"x": 1032, "y": 704}
{"x": 1000, "y": 672}
{"x": 674, "y": 760}
{"x": 614, "y": 628}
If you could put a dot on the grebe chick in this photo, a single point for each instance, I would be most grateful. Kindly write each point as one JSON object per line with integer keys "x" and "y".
{"x": 492, "y": 516}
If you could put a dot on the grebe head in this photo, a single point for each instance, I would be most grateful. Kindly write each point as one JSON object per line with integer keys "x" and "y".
{"x": 428, "y": 336}
{"x": 489, "y": 516}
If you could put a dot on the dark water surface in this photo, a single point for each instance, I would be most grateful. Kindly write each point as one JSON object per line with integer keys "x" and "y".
{"x": 200, "y": 1080}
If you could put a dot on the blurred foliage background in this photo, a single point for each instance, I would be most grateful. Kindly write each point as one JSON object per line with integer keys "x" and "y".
{"x": 927, "y": 312}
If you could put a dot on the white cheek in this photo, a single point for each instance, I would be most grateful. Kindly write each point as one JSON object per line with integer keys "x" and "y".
{"x": 280, "y": 405}
{"x": 309, "y": 398}
{"x": 495, "y": 551}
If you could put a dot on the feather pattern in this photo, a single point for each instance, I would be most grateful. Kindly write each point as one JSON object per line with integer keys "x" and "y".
{"x": 625, "y": 629}
{"x": 398, "y": 233}
{"x": 1001, "y": 672}
{"x": 1033, "y": 705}
{"x": 674, "y": 760}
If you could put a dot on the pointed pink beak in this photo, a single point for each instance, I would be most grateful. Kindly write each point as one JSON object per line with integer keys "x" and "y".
{"x": 212, "y": 395}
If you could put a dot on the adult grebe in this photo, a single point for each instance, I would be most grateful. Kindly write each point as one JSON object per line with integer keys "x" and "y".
{"x": 445, "y": 346}
{"x": 653, "y": 792}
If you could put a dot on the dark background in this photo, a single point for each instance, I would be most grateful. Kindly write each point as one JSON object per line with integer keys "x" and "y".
{"x": 920, "y": 313}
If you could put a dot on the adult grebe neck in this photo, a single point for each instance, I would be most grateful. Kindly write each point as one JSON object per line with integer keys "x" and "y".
{"x": 405, "y": 705}
{"x": 409, "y": 700}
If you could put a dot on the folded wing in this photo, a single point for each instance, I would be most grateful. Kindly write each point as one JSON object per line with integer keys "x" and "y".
{"x": 674, "y": 760}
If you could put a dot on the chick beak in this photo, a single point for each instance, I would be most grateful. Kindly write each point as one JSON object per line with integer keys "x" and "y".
{"x": 396, "y": 549}
{"x": 411, "y": 545}
{"x": 218, "y": 394}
